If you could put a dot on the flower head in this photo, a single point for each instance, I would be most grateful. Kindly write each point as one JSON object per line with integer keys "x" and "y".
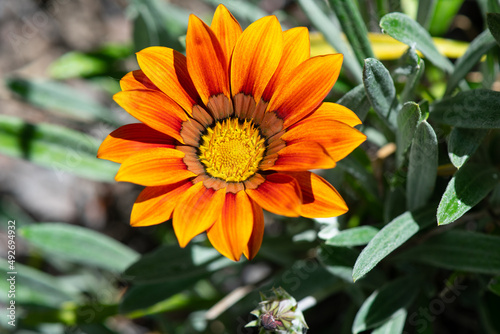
{"x": 229, "y": 129}
{"x": 279, "y": 313}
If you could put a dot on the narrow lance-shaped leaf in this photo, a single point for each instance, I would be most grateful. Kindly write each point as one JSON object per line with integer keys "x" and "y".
{"x": 474, "y": 109}
{"x": 422, "y": 169}
{"x": 462, "y": 144}
{"x": 478, "y": 47}
{"x": 357, "y": 101}
{"x": 469, "y": 186}
{"x": 332, "y": 35}
{"x": 493, "y": 21}
{"x": 356, "y": 236}
{"x": 393, "y": 235}
{"x": 406, "y": 30}
{"x": 459, "y": 250}
{"x": 394, "y": 325}
{"x": 413, "y": 77}
{"x": 60, "y": 149}
{"x": 80, "y": 245}
{"x": 57, "y": 97}
{"x": 425, "y": 12}
{"x": 33, "y": 287}
{"x": 385, "y": 303}
{"x": 408, "y": 118}
{"x": 380, "y": 90}
{"x": 353, "y": 26}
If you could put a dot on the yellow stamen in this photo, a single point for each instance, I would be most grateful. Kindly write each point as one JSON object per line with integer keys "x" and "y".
{"x": 231, "y": 150}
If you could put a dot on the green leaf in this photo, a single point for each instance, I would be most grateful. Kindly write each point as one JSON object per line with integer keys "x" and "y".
{"x": 493, "y": 21}
{"x": 462, "y": 144}
{"x": 393, "y": 326}
{"x": 158, "y": 22}
{"x": 385, "y": 304}
{"x": 333, "y": 36}
{"x": 408, "y": 118}
{"x": 444, "y": 13}
{"x": 79, "y": 245}
{"x": 477, "y": 48}
{"x": 356, "y": 236}
{"x": 474, "y": 109}
{"x": 417, "y": 68}
{"x": 380, "y": 90}
{"x": 32, "y": 287}
{"x": 393, "y": 235}
{"x": 357, "y": 101}
{"x": 422, "y": 169}
{"x": 406, "y": 30}
{"x": 176, "y": 264}
{"x": 425, "y": 12}
{"x": 353, "y": 26}
{"x": 60, "y": 149}
{"x": 338, "y": 260}
{"x": 57, "y": 97}
{"x": 469, "y": 186}
{"x": 494, "y": 285}
{"x": 458, "y": 250}
{"x": 76, "y": 64}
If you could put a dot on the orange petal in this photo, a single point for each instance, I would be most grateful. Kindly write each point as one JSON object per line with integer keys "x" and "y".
{"x": 167, "y": 69}
{"x": 319, "y": 198}
{"x": 156, "y": 204}
{"x": 155, "y": 109}
{"x": 197, "y": 211}
{"x": 255, "y": 241}
{"x": 279, "y": 194}
{"x": 335, "y": 112}
{"x": 136, "y": 80}
{"x": 154, "y": 167}
{"x": 296, "y": 49}
{"x": 305, "y": 88}
{"x": 339, "y": 139}
{"x": 231, "y": 232}
{"x": 302, "y": 156}
{"x": 131, "y": 138}
{"x": 206, "y": 61}
{"x": 227, "y": 30}
{"x": 256, "y": 56}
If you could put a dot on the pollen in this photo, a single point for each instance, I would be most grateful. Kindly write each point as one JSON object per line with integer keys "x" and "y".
{"x": 232, "y": 150}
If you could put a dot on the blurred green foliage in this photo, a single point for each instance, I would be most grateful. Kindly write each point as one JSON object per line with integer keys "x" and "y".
{"x": 388, "y": 266}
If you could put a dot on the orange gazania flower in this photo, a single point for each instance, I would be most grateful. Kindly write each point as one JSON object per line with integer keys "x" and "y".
{"x": 230, "y": 129}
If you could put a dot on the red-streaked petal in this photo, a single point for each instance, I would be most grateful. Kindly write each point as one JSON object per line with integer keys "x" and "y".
{"x": 256, "y": 56}
{"x": 155, "y": 109}
{"x": 136, "y": 80}
{"x": 206, "y": 61}
{"x": 255, "y": 241}
{"x": 296, "y": 49}
{"x": 338, "y": 139}
{"x": 227, "y": 30}
{"x": 130, "y": 139}
{"x": 305, "y": 88}
{"x": 333, "y": 111}
{"x": 319, "y": 198}
{"x": 197, "y": 211}
{"x": 154, "y": 167}
{"x": 302, "y": 156}
{"x": 231, "y": 232}
{"x": 279, "y": 194}
{"x": 156, "y": 204}
{"x": 167, "y": 69}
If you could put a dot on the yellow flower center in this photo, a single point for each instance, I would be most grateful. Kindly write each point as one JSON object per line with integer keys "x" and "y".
{"x": 231, "y": 150}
